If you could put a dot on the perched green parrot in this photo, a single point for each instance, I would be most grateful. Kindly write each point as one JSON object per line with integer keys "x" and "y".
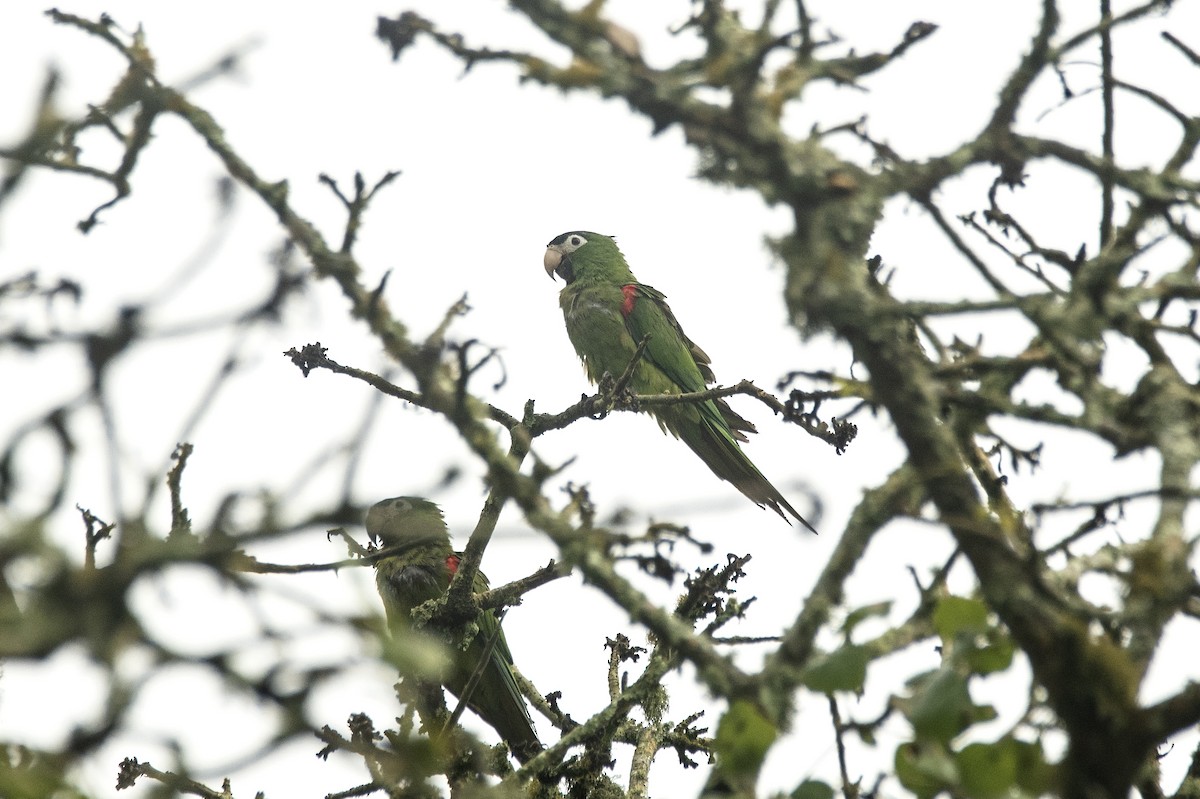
{"x": 421, "y": 570}
{"x": 607, "y": 313}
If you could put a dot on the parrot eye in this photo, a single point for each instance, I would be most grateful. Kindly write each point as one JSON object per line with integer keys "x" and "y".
{"x": 402, "y": 504}
{"x": 569, "y": 242}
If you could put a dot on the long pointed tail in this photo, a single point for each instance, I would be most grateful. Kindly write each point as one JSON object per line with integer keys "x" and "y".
{"x": 496, "y": 697}
{"x": 721, "y": 453}
{"x": 505, "y": 710}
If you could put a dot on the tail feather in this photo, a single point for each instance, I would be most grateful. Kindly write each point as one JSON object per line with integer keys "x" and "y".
{"x": 508, "y": 714}
{"x": 518, "y": 733}
{"x": 497, "y": 699}
{"x": 721, "y": 453}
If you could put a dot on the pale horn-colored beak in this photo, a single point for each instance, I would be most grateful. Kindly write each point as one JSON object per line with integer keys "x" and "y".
{"x": 551, "y": 260}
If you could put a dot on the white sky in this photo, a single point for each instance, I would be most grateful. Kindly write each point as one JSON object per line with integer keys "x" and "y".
{"x": 491, "y": 173}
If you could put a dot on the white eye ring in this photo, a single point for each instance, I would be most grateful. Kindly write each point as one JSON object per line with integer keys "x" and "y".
{"x": 577, "y": 240}
{"x": 402, "y": 504}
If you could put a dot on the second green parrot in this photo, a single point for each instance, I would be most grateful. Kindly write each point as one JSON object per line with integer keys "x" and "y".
{"x": 421, "y": 569}
{"x": 608, "y": 312}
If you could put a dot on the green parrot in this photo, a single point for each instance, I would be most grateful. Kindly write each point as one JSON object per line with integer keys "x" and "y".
{"x": 420, "y": 570}
{"x": 607, "y": 313}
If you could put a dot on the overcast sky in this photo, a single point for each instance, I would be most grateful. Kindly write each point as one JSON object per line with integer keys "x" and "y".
{"x": 491, "y": 172}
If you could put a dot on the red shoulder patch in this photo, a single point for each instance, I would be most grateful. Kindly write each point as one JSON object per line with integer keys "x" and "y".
{"x": 629, "y": 291}
{"x": 452, "y": 563}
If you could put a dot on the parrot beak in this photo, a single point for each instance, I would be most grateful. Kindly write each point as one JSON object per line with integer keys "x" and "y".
{"x": 551, "y": 260}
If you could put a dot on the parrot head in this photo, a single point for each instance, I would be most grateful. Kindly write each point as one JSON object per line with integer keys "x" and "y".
{"x": 581, "y": 253}
{"x": 406, "y": 520}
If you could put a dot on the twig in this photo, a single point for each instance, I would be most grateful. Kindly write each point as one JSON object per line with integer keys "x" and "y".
{"x": 312, "y": 356}
{"x": 1188, "y": 52}
{"x": 627, "y": 375}
{"x": 849, "y": 789}
{"x": 511, "y": 593}
{"x": 356, "y": 205}
{"x": 180, "y": 523}
{"x": 481, "y": 666}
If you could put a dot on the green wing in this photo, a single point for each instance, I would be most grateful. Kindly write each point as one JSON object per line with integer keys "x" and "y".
{"x": 669, "y": 348}
{"x": 408, "y": 580}
{"x": 487, "y": 621}
{"x": 496, "y": 697}
{"x": 677, "y": 357}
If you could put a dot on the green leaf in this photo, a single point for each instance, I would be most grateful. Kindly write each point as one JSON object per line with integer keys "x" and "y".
{"x": 812, "y": 789}
{"x": 842, "y": 670}
{"x": 996, "y": 656}
{"x": 859, "y": 615}
{"x": 955, "y": 614}
{"x": 987, "y": 771}
{"x": 981, "y": 713}
{"x": 1034, "y": 774}
{"x": 942, "y": 708}
{"x": 743, "y": 737}
{"x": 924, "y": 770}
